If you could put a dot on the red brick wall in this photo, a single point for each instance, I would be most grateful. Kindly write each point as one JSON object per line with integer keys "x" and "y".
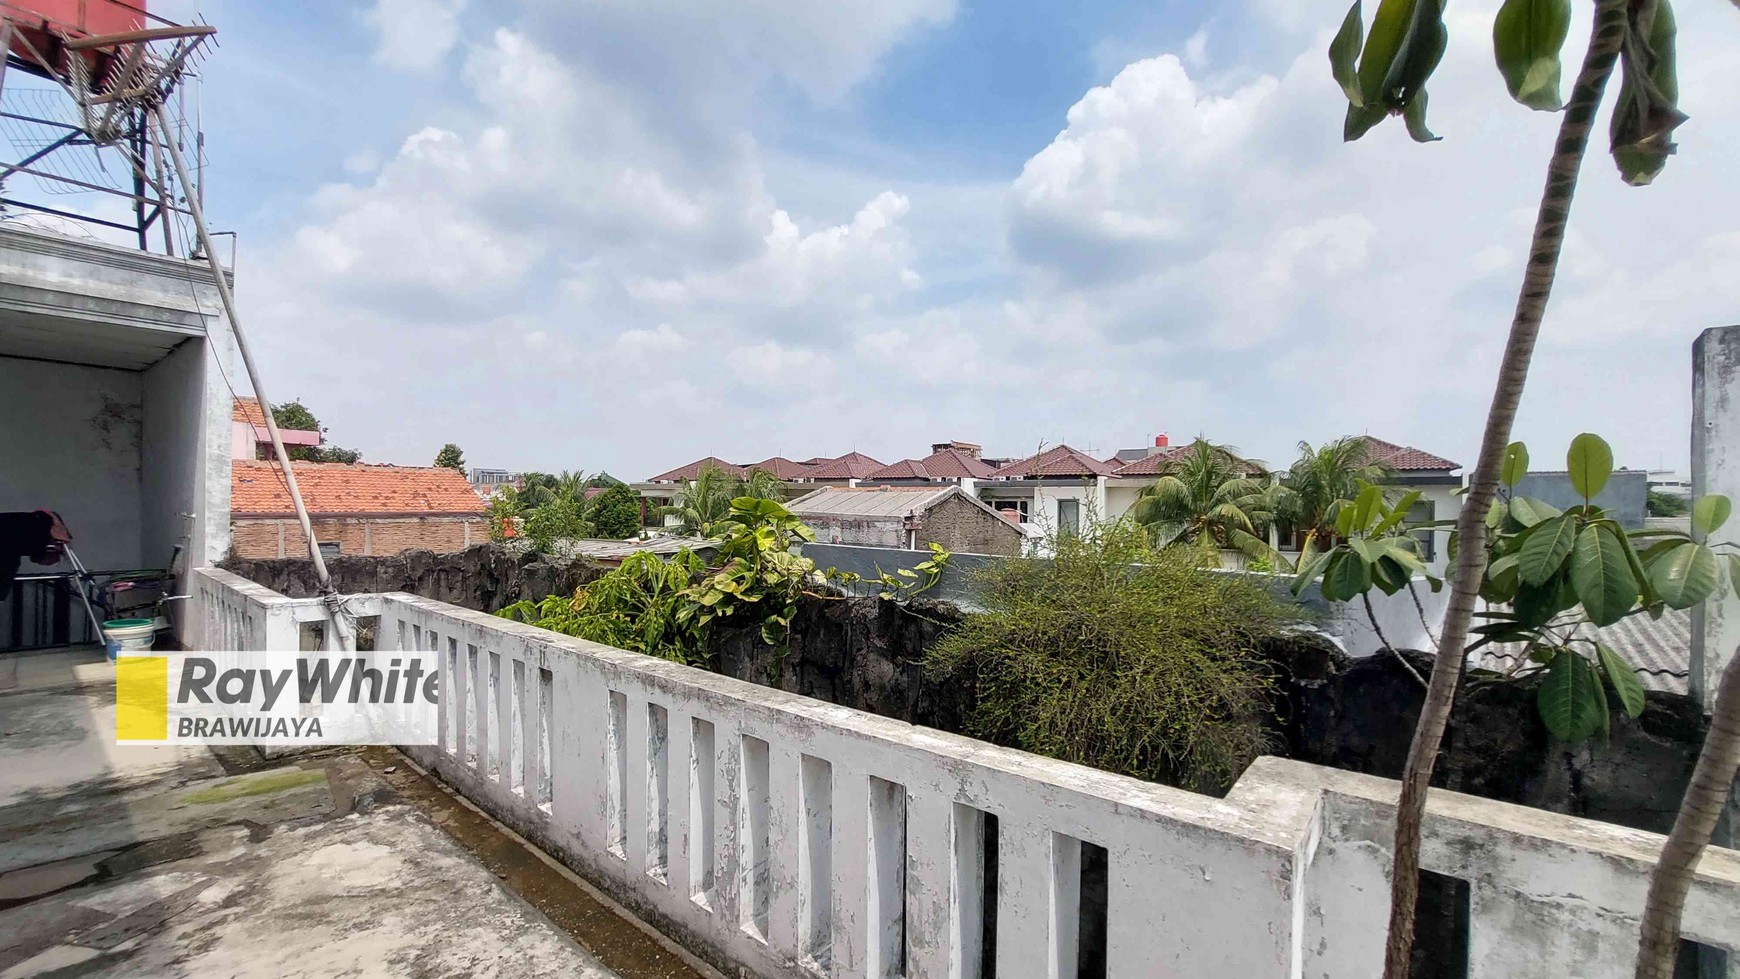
{"x": 271, "y": 538}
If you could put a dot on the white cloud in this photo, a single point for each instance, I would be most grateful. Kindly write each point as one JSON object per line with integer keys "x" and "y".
{"x": 592, "y": 261}
{"x": 415, "y": 35}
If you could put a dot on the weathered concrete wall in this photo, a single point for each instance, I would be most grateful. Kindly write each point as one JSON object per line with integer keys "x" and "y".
{"x": 69, "y": 441}
{"x": 1716, "y": 469}
{"x": 484, "y": 578}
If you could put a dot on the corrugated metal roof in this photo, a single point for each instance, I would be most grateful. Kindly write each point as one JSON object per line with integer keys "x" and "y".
{"x": 1659, "y": 649}
{"x": 888, "y": 501}
{"x": 616, "y": 550}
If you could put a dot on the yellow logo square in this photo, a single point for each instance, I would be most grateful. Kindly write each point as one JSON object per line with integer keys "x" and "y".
{"x": 142, "y": 698}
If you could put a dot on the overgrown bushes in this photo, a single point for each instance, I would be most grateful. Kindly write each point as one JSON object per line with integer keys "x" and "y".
{"x": 1122, "y": 657}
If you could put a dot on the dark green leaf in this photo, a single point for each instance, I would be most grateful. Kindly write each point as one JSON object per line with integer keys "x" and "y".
{"x": 1684, "y": 576}
{"x": 1710, "y": 513}
{"x": 1624, "y": 680}
{"x": 1647, "y": 110}
{"x": 1346, "y": 578}
{"x": 1415, "y": 118}
{"x": 1344, "y": 50}
{"x": 1601, "y": 575}
{"x": 1309, "y": 568}
{"x": 1366, "y": 507}
{"x": 1535, "y": 605}
{"x": 1590, "y": 462}
{"x": 1389, "y": 575}
{"x": 1530, "y": 512}
{"x": 1545, "y": 551}
{"x": 1360, "y": 120}
{"x": 1571, "y": 701}
{"x": 1526, "y": 38}
{"x": 1516, "y": 460}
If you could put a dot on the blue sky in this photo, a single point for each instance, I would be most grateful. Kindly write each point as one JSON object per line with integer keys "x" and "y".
{"x": 622, "y": 234}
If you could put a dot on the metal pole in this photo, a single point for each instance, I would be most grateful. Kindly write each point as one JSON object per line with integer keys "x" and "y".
{"x": 223, "y": 286}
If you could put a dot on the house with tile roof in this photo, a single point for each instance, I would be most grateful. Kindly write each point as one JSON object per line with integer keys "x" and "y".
{"x": 249, "y": 438}
{"x": 845, "y": 470}
{"x": 354, "y": 508}
{"x": 945, "y": 465}
{"x": 1060, "y": 488}
{"x": 1439, "y": 481}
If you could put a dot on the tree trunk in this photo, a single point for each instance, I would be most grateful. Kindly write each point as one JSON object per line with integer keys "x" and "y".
{"x": 1700, "y": 810}
{"x": 1537, "y": 285}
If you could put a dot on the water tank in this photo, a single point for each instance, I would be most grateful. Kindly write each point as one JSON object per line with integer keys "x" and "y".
{"x": 44, "y": 24}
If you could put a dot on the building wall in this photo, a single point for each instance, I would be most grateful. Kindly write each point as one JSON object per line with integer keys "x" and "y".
{"x": 965, "y": 528}
{"x": 69, "y": 441}
{"x": 173, "y": 446}
{"x": 1626, "y": 493}
{"x": 866, "y": 531}
{"x": 278, "y": 537}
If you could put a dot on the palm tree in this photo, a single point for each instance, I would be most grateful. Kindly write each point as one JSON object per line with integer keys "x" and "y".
{"x": 1322, "y": 480}
{"x": 706, "y": 500}
{"x": 1205, "y": 499}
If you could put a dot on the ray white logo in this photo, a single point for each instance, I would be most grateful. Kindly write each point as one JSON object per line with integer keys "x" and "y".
{"x": 313, "y": 698}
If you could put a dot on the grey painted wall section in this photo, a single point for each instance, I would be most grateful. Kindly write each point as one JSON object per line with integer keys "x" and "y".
{"x": 1716, "y": 469}
{"x": 1626, "y": 493}
{"x": 69, "y": 438}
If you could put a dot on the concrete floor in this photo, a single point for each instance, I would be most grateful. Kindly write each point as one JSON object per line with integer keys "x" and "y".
{"x": 178, "y": 862}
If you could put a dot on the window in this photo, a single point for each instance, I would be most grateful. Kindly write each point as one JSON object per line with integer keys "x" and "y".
{"x": 1019, "y": 506}
{"x": 1425, "y": 511}
{"x": 330, "y": 548}
{"x": 1069, "y": 516}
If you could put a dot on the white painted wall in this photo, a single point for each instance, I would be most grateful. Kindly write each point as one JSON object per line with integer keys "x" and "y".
{"x": 69, "y": 441}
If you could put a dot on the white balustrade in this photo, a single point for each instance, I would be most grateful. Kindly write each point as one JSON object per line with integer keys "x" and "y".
{"x": 788, "y": 837}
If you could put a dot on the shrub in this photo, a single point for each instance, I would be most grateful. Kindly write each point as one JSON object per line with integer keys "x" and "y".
{"x": 1115, "y": 655}
{"x": 634, "y": 606}
{"x": 615, "y": 512}
{"x": 559, "y": 519}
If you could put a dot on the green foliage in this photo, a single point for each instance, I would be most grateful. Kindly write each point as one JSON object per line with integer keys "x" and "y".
{"x": 1564, "y": 576}
{"x": 1665, "y": 505}
{"x": 294, "y": 416}
{"x": 1647, "y": 110}
{"x": 1526, "y": 38}
{"x": 562, "y": 518}
{"x": 1384, "y": 72}
{"x": 615, "y": 513}
{"x": 450, "y": 457}
{"x": 1373, "y": 546}
{"x": 756, "y": 570}
{"x": 634, "y": 606}
{"x": 1204, "y": 500}
{"x": 1554, "y": 574}
{"x": 1406, "y": 42}
{"x": 1119, "y": 655}
{"x": 670, "y": 609}
{"x": 1321, "y": 480}
{"x": 705, "y": 501}
{"x": 504, "y": 516}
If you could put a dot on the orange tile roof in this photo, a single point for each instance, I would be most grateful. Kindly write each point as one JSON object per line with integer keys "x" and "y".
{"x": 331, "y": 487}
{"x": 904, "y": 469}
{"x": 955, "y": 464}
{"x": 248, "y": 410}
